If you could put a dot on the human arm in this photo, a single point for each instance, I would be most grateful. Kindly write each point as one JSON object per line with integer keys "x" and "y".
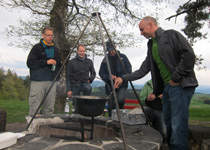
{"x": 160, "y": 96}
{"x": 36, "y": 57}
{"x": 103, "y": 71}
{"x": 68, "y": 76}
{"x": 184, "y": 56}
{"x": 92, "y": 73}
{"x": 147, "y": 92}
{"x": 141, "y": 72}
{"x": 51, "y": 62}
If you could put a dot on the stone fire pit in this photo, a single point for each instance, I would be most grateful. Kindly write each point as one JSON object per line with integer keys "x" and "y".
{"x": 106, "y": 135}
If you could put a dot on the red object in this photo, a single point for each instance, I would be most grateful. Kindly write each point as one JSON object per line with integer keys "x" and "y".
{"x": 131, "y": 101}
{"x": 126, "y": 106}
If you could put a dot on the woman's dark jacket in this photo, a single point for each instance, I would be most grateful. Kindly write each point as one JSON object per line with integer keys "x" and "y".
{"x": 178, "y": 56}
{"x": 37, "y": 63}
{"x": 79, "y": 71}
{"x": 104, "y": 73}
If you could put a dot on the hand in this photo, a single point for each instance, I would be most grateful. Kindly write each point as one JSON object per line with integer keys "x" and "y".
{"x": 118, "y": 82}
{"x": 151, "y": 97}
{"x": 69, "y": 93}
{"x": 51, "y": 62}
{"x": 113, "y": 77}
{"x": 160, "y": 96}
{"x": 173, "y": 83}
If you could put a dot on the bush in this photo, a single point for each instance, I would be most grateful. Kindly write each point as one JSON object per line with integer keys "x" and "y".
{"x": 206, "y": 101}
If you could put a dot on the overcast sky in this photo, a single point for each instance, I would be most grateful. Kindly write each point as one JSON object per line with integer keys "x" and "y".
{"x": 15, "y": 58}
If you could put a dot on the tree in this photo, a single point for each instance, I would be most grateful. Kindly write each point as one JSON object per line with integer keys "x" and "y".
{"x": 2, "y": 76}
{"x": 68, "y": 17}
{"x": 8, "y": 91}
{"x": 12, "y": 87}
{"x": 27, "y": 82}
{"x": 197, "y": 14}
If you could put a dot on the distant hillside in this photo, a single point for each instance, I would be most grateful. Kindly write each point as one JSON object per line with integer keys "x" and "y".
{"x": 200, "y": 89}
{"x": 23, "y": 77}
{"x": 96, "y": 83}
{"x": 203, "y": 89}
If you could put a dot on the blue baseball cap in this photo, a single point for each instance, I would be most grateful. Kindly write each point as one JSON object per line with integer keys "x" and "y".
{"x": 109, "y": 46}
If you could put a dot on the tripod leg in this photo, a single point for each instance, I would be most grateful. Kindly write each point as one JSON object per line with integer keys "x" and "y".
{"x": 148, "y": 120}
{"x": 112, "y": 84}
{"x": 92, "y": 127}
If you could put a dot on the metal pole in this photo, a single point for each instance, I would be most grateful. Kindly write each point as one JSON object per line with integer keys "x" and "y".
{"x": 67, "y": 58}
{"x": 112, "y": 84}
{"x": 148, "y": 120}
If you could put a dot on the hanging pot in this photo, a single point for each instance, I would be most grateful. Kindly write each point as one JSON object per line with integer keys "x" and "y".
{"x": 90, "y": 105}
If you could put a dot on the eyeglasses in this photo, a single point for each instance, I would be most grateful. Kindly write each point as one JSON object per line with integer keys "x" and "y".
{"x": 49, "y": 35}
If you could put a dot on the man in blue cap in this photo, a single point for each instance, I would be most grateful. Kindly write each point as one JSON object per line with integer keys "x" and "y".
{"x": 116, "y": 71}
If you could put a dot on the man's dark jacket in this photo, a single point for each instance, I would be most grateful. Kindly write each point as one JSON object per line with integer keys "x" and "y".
{"x": 37, "y": 62}
{"x": 104, "y": 73}
{"x": 79, "y": 71}
{"x": 178, "y": 56}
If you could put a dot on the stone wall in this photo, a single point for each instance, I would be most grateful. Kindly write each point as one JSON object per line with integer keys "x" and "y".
{"x": 199, "y": 137}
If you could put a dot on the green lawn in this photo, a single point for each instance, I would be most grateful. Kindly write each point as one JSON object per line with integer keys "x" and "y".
{"x": 199, "y": 112}
{"x": 16, "y": 110}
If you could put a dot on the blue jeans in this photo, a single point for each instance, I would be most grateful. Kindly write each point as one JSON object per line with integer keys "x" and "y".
{"x": 85, "y": 88}
{"x": 157, "y": 119}
{"x": 121, "y": 100}
{"x": 176, "y": 101}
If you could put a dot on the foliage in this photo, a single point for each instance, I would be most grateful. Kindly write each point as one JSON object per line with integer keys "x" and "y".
{"x": 12, "y": 87}
{"x": 198, "y": 63}
{"x": 197, "y": 14}
{"x": 70, "y": 17}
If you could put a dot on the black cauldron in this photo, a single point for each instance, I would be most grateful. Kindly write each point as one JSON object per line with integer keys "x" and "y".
{"x": 90, "y": 106}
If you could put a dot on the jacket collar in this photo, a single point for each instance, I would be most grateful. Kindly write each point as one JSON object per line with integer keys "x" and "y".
{"x": 81, "y": 59}
{"x": 159, "y": 32}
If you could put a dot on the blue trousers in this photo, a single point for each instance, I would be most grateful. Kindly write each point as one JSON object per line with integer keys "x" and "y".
{"x": 85, "y": 88}
{"x": 176, "y": 101}
{"x": 121, "y": 100}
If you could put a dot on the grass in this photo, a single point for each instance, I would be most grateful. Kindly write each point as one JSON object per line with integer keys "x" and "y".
{"x": 16, "y": 110}
{"x": 199, "y": 112}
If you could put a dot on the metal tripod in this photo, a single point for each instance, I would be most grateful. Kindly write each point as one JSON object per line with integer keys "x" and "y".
{"x": 99, "y": 20}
